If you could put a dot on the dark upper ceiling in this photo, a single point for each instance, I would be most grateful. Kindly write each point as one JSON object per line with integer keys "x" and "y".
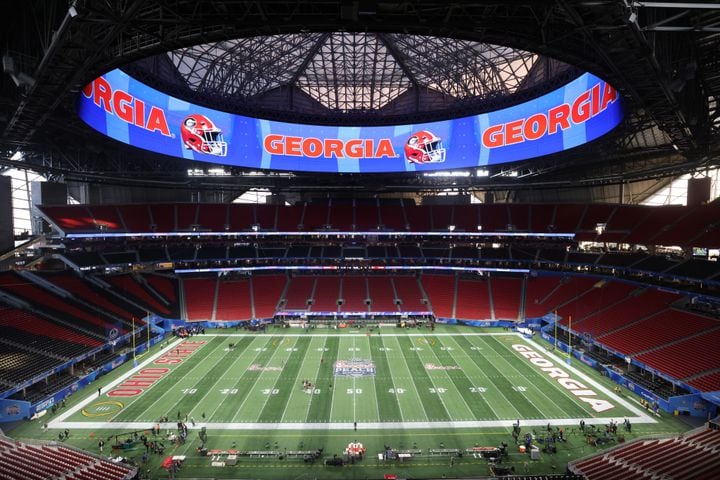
{"x": 665, "y": 62}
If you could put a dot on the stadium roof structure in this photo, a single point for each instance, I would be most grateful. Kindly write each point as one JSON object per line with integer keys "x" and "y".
{"x": 661, "y": 56}
{"x": 342, "y": 77}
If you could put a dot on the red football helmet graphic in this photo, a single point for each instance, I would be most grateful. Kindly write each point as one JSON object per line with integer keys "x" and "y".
{"x": 424, "y": 147}
{"x": 200, "y": 134}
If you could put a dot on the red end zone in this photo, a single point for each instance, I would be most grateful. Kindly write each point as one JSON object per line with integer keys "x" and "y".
{"x": 146, "y": 377}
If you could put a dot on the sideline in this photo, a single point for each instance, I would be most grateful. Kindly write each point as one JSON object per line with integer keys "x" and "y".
{"x": 349, "y": 425}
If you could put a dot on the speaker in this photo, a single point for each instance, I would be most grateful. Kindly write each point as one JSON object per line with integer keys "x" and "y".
{"x": 698, "y": 191}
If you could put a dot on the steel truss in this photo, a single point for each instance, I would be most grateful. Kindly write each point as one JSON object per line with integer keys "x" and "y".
{"x": 673, "y": 115}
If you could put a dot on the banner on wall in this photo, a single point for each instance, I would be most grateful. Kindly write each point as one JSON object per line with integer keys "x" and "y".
{"x": 129, "y": 111}
{"x": 11, "y": 410}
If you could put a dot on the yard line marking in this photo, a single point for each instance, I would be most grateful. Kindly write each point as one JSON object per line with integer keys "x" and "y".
{"x": 83, "y": 403}
{"x": 474, "y": 365}
{"x": 295, "y": 381}
{"x": 500, "y": 390}
{"x": 219, "y": 404}
{"x": 410, "y": 376}
{"x": 545, "y": 378}
{"x": 592, "y": 382}
{"x": 169, "y": 390}
{"x": 451, "y": 380}
{"x": 250, "y": 389}
{"x": 317, "y": 373}
{"x": 354, "y": 386}
{"x": 392, "y": 380}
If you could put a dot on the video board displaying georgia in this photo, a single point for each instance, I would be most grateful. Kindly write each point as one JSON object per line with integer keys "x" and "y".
{"x": 129, "y": 111}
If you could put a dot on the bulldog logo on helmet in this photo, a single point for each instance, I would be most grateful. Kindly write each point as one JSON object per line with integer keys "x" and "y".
{"x": 424, "y": 147}
{"x": 200, "y": 134}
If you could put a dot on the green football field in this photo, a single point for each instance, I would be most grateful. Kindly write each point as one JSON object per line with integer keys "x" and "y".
{"x": 410, "y": 380}
{"x": 289, "y": 389}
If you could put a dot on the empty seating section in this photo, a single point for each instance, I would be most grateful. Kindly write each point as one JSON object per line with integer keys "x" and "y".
{"x": 473, "y": 300}
{"x": 315, "y": 217}
{"x": 233, "y": 300}
{"x": 299, "y": 292}
{"x": 392, "y": 217}
{"x": 212, "y": 216}
{"x": 354, "y": 294}
{"x": 602, "y": 295}
{"x": 536, "y": 290}
{"x": 71, "y": 218}
{"x": 710, "y": 236}
{"x": 366, "y": 218}
{"x": 200, "y": 296}
{"x": 594, "y": 214}
{"x": 441, "y": 216}
{"x": 665, "y": 225}
{"x": 655, "y": 263}
{"x": 266, "y": 291}
{"x": 494, "y": 218}
{"x": 32, "y": 324}
{"x": 541, "y": 217}
{"x": 689, "y": 458}
{"x": 187, "y": 217}
{"x": 241, "y": 217}
{"x": 696, "y": 269}
{"x": 163, "y": 217}
{"x": 266, "y": 216}
{"x": 18, "y": 365}
{"x": 465, "y": 218}
{"x": 656, "y": 330}
{"x": 507, "y": 298}
{"x": 440, "y": 290}
{"x": 136, "y": 218}
{"x": 342, "y": 217}
{"x": 418, "y": 219}
{"x": 290, "y": 218}
{"x": 677, "y": 362}
{"x": 409, "y": 293}
{"x": 657, "y": 220}
{"x": 106, "y": 217}
{"x": 567, "y": 218}
{"x": 127, "y": 285}
{"x": 22, "y": 461}
{"x": 706, "y": 383}
{"x": 382, "y": 294}
{"x": 636, "y": 306}
{"x": 52, "y": 304}
{"x": 165, "y": 286}
{"x": 519, "y": 216}
{"x": 568, "y": 289}
{"x": 691, "y": 224}
{"x": 83, "y": 291}
{"x": 327, "y": 292}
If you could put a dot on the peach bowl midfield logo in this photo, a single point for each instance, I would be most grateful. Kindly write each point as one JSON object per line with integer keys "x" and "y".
{"x": 354, "y": 368}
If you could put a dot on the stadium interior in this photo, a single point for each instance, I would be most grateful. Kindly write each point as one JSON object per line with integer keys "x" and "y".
{"x": 135, "y": 251}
